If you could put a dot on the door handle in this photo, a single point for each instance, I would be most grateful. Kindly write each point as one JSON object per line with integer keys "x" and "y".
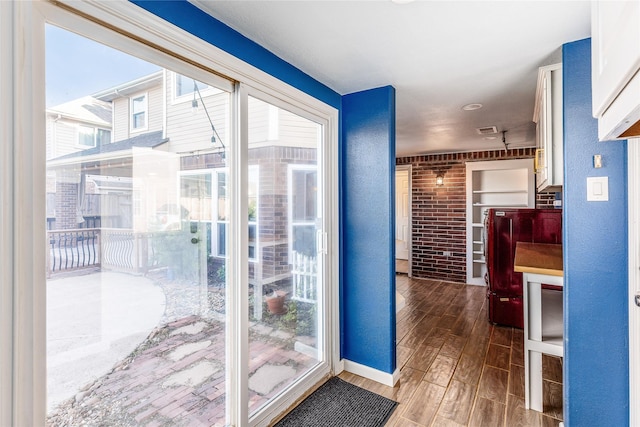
{"x": 195, "y": 240}
{"x": 638, "y": 299}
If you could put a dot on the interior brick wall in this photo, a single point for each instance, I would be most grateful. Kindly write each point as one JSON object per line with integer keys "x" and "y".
{"x": 438, "y": 220}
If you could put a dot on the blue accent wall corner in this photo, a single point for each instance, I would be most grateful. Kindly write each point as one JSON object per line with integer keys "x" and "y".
{"x": 368, "y": 217}
{"x": 596, "y": 352}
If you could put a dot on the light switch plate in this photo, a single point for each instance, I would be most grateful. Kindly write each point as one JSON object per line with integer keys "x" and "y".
{"x": 598, "y": 189}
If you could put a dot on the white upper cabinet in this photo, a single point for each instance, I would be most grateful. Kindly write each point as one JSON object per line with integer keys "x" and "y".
{"x": 615, "y": 56}
{"x": 549, "y": 134}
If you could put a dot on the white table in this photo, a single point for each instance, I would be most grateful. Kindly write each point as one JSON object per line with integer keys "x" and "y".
{"x": 543, "y": 322}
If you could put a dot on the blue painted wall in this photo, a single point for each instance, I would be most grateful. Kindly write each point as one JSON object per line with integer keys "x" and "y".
{"x": 595, "y": 260}
{"x": 368, "y": 218}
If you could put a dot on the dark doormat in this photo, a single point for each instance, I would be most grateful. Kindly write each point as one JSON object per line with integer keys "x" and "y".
{"x": 338, "y": 403}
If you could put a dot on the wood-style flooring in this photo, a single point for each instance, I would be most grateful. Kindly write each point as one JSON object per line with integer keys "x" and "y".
{"x": 456, "y": 368}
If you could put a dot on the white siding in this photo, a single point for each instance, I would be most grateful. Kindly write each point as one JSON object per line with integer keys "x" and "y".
{"x": 120, "y": 119}
{"x": 275, "y": 126}
{"x": 190, "y": 130}
{"x": 297, "y": 131}
{"x": 258, "y": 121}
{"x": 51, "y": 143}
{"x": 156, "y": 109}
{"x": 66, "y": 134}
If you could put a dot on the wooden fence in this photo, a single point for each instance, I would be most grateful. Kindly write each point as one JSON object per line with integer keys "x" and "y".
{"x": 305, "y": 277}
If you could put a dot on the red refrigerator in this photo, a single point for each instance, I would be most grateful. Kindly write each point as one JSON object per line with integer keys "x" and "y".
{"x": 503, "y": 228}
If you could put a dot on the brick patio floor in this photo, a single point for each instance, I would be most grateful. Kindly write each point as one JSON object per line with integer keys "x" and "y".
{"x": 177, "y": 378}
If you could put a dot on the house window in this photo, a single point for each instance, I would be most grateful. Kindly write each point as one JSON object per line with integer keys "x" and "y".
{"x": 222, "y": 215}
{"x": 304, "y": 209}
{"x": 139, "y": 112}
{"x": 186, "y": 85}
{"x": 303, "y": 205}
{"x": 93, "y": 137}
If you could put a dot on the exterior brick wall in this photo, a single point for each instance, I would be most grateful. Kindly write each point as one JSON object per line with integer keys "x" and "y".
{"x": 439, "y": 213}
{"x": 273, "y": 208}
{"x": 273, "y": 211}
{"x": 66, "y": 201}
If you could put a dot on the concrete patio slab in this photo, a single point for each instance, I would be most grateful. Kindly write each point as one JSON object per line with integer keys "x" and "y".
{"x": 93, "y": 322}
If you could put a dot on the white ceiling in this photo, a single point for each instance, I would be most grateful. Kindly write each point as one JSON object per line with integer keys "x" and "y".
{"x": 439, "y": 55}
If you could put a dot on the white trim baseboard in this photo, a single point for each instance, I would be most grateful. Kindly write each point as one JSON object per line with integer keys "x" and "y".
{"x": 371, "y": 373}
{"x": 400, "y": 301}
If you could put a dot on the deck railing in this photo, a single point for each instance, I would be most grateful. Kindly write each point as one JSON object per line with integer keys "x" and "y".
{"x": 109, "y": 248}
{"x": 73, "y": 249}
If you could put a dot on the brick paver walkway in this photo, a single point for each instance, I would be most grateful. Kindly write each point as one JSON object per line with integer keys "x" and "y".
{"x": 177, "y": 378}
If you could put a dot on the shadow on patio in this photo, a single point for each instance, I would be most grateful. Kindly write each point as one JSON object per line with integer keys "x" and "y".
{"x": 132, "y": 350}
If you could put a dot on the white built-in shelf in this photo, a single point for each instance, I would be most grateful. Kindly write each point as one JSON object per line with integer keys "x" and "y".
{"x": 500, "y": 191}
{"x": 499, "y": 184}
{"x": 502, "y": 205}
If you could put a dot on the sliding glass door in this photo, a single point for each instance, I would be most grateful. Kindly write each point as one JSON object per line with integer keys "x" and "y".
{"x": 186, "y": 238}
{"x": 286, "y": 302}
{"x": 137, "y": 309}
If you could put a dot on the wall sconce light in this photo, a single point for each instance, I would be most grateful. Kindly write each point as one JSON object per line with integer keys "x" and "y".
{"x": 440, "y": 179}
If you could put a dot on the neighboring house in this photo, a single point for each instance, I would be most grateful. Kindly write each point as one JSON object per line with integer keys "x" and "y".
{"x": 72, "y": 127}
{"x": 168, "y": 122}
{"x": 78, "y": 125}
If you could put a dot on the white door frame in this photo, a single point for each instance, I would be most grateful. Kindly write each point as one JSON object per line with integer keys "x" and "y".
{"x": 410, "y": 228}
{"x": 23, "y": 165}
{"x": 633, "y": 197}
{"x": 22, "y": 215}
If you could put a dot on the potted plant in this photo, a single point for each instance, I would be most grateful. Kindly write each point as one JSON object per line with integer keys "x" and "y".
{"x": 275, "y": 302}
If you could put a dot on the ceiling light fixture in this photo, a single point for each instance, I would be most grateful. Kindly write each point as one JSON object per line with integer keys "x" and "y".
{"x": 471, "y": 107}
